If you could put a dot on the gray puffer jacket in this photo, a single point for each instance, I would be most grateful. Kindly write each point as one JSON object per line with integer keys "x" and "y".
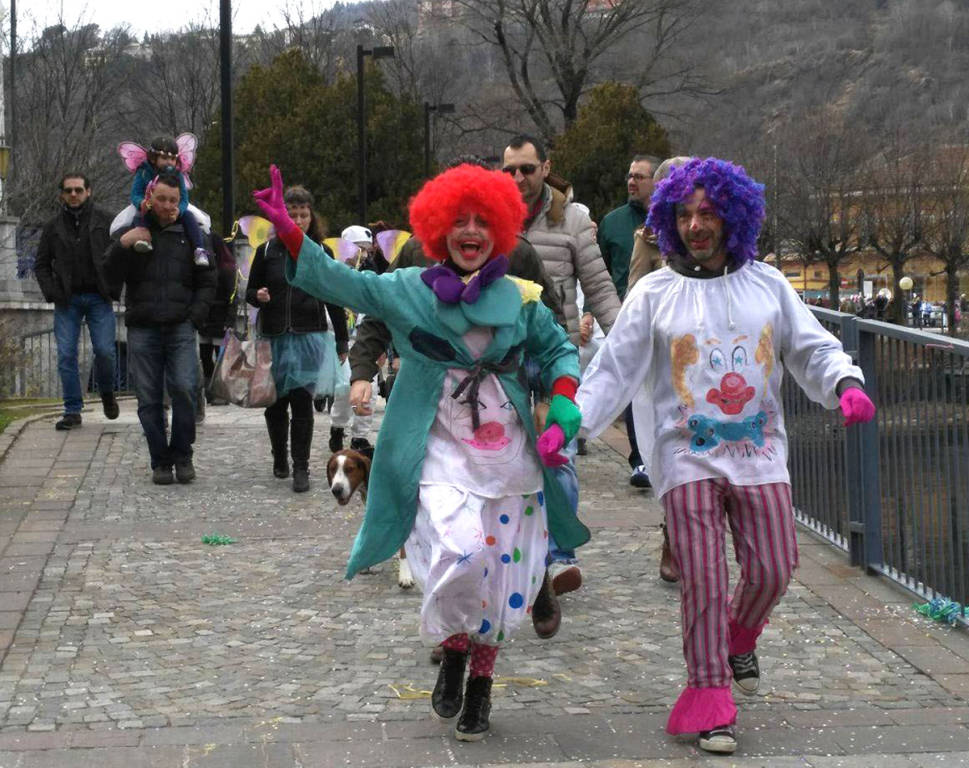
{"x": 565, "y": 238}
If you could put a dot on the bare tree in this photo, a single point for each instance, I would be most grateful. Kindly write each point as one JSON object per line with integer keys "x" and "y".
{"x": 894, "y": 204}
{"x": 947, "y": 230}
{"x": 819, "y": 198}
{"x": 552, "y": 50}
{"x": 68, "y": 84}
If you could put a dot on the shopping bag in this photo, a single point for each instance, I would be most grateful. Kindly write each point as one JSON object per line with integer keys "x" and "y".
{"x": 243, "y": 373}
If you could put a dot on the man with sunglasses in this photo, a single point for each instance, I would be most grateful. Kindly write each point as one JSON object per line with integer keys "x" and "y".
{"x": 68, "y": 272}
{"x": 562, "y": 233}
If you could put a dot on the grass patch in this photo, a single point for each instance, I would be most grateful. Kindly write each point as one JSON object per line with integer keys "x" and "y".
{"x": 19, "y": 408}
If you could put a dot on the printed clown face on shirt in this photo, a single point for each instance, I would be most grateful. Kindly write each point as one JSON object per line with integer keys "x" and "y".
{"x": 722, "y": 383}
{"x": 499, "y": 437}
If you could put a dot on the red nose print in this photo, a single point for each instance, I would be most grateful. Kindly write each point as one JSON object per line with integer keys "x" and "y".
{"x": 489, "y": 432}
{"x": 732, "y": 384}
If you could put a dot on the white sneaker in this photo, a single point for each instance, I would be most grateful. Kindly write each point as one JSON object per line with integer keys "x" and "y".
{"x": 566, "y": 577}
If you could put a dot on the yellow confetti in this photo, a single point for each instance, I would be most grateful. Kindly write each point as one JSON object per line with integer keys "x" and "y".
{"x": 525, "y": 682}
{"x": 409, "y": 692}
{"x": 562, "y": 676}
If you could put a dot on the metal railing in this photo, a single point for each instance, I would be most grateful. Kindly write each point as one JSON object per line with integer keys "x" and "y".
{"x": 893, "y": 492}
{"x": 32, "y": 371}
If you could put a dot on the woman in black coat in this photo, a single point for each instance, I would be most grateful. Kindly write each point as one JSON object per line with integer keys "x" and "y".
{"x": 305, "y": 359}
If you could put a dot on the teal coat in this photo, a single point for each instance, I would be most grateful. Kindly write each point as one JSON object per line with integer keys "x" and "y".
{"x": 428, "y": 337}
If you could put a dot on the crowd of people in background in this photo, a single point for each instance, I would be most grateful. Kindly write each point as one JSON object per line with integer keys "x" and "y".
{"x": 473, "y": 335}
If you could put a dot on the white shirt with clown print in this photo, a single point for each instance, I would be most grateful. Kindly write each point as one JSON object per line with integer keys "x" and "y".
{"x": 708, "y": 354}
{"x": 492, "y": 461}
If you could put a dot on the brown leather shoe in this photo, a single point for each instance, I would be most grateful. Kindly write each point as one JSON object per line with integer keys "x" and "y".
{"x": 546, "y": 611}
{"x": 667, "y": 567}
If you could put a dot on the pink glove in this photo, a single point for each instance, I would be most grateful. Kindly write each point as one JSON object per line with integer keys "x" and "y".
{"x": 550, "y": 442}
{"x": 270, "y": 200}
{"x": 856, "y": 406}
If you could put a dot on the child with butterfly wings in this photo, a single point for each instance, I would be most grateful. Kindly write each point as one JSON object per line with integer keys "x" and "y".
{"x": 162, "y": 154}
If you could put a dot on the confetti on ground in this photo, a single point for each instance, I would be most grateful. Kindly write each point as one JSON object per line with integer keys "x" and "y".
{"x": 217, "y": 539}
{"x": 942, "y": 609}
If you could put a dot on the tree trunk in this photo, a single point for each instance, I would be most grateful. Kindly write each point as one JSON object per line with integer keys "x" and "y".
{"x": 834, "y": 285}
{"x": 951, "y": 294}
{"x": 899, "y": 307}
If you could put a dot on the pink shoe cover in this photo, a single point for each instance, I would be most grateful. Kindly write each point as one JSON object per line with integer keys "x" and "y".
{"x": 743, "y": 639}
{"x": 700, "y": 709}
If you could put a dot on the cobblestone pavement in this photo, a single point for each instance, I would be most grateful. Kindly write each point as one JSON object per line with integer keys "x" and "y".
{"x": 124, "y": 640}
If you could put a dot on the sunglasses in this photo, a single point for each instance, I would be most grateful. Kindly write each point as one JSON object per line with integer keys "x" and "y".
{"x": 72, "y": 190}
{"x": 527, "y": 169}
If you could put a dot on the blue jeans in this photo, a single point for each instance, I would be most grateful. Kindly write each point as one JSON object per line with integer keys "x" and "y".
{"x": 160, "y": 357}
{"x": 96, "y": 310}
{"x": 565, "y": 475}
{"x": 568, "y": 479}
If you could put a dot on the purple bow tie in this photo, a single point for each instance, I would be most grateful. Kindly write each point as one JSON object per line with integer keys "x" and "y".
{"x": 451, "y": 289}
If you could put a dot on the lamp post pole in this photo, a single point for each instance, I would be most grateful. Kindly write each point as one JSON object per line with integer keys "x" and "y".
{"x": 378, "y": 52}
{"x": 225, "y": 49}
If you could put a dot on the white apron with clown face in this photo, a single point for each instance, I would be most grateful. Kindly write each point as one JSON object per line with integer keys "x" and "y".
{"x": 480, "y": 539}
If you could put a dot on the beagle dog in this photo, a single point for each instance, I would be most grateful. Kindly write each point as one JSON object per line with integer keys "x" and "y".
{"x": 348, "y": 471}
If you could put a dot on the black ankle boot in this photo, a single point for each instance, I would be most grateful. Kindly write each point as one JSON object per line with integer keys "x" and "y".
{"x": 448, "y": 691}
{"x": 301, "y": 437}
{"x": 336, "y": 439}
{"x": 278, "y": 425}
{"x": 473, "y": 723}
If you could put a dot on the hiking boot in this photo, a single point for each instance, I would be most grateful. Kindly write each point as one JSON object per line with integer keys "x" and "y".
{"x": 639, "y": 478}
{"x": 746, "y": 672}
{"x": 566, "y": 577}
{"x": 667, "y": 566}
{"x": 721, "y": 740}
{"x": 162, "y": 475}
{"x": 109, "y": 405}
{"x": 473, "y": 723}
{"x": 448, "y": 695}
{"x": 336, "y": 439}
{"x": 546, "y": 611}
{"x": 68, "y": 421}
{"x": 184, "y": 471}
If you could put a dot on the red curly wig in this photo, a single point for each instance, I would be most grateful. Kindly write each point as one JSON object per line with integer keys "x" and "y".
{"x": 492, "y": 194}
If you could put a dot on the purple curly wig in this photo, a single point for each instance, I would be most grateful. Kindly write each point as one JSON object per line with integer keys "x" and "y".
{"x": 736, "y": 198}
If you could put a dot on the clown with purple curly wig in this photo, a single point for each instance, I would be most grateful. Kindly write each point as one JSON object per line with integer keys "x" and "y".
{"x": 736, "y": 199}
{"x": 702, "y": 343}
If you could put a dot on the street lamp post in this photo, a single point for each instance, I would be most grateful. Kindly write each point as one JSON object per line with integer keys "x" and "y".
{"x": 378, "y": 52}
{"x": 905, "y": 283}
{"x": 441, "y": 109}
{"x": 225, "y": 49}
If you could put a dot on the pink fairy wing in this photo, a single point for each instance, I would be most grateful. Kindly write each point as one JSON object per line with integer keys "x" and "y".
{"x": 187, "y": 144}
{"x": 133, "y": 154}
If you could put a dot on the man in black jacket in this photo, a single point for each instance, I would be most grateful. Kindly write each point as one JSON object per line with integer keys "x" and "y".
{"x": 68, "y": 274}
{"x": 167, "y": 299}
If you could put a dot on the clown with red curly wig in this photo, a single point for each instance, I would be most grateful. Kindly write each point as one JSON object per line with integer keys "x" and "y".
{"x": 458, "y": 472}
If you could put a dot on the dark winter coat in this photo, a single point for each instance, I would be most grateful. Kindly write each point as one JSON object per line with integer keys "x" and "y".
{"x": 58, "y": 251}
{"x": 289, "y": 309}
{"x": 164, "y": 286}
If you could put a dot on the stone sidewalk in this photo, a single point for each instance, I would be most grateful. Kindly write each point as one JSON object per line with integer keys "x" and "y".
{"x": 125, "y": 641}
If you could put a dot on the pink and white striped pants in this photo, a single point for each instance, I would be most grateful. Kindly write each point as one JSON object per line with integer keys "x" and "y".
{"x": 761, "y": 521}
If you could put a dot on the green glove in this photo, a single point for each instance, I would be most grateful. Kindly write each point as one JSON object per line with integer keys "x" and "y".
{"x": 566, "y": 414}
